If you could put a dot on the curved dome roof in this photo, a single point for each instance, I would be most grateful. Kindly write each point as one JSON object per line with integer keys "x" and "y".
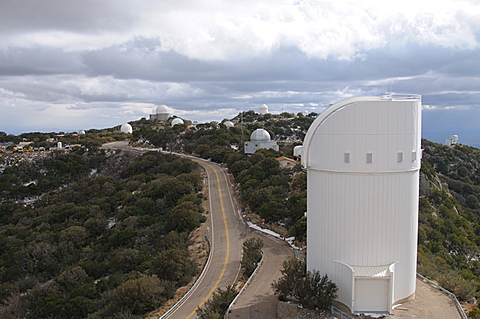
{"x": 228, "y": 124}
{"x": 176, "y": 121}
{"x": 126, "y": 128}
{"x": 260, "y": 135}
{"x": 162, "y": 109}
{"x": 263, "y": 109}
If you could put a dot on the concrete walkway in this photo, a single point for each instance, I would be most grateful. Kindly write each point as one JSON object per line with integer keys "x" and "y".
{"x": 430, "y": 302}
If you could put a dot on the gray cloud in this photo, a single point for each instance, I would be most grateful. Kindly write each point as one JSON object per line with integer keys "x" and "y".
{"x": 72, "y": 16}
{"x": 105, "y": 62}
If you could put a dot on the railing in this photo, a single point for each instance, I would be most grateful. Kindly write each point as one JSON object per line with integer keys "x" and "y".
{"x": 457, "y": 303}
{"x": 343, "y": 315}
{"x": 401, "y": 97}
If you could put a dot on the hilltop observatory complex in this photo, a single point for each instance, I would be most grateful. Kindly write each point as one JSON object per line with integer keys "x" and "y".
{"x": 362, "y": 157}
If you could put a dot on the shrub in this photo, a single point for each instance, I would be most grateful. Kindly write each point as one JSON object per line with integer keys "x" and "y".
{"x": 312, "y": 290}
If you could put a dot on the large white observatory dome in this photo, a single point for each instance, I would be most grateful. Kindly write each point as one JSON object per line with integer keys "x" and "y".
{"x": 176, "y": 121}
{"x": 260, "y": 135}
{"x": 162, "y": 109}
{"x": 162, "y": 112}
{"x": 259, "y": 139}
{"x": 126, "y": 128}
{"x": 363, "y": 157}
{"x": 228, "y": 124}
{"x": 263, "y": 109}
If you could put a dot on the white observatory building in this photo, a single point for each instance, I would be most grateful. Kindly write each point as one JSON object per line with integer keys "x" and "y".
{"x": 362, "y": 157}
{"x": 228, "y": 124}
{"x": 260, "y": 138}
{"x": 452, "y": 140}
{"x": 263, "y": 109}
{"x": 161, "y": 113}
{"x": 126, "y": 128}
{"x": 177, "y": 121}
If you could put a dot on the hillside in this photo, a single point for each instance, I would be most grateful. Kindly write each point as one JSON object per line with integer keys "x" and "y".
{"x": 87, "y": 187}
{"x": 110, "y": 242}
{"x": 449, "y": 229}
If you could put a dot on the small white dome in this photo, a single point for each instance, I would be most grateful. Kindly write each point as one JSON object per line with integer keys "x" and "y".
{"x": 162, "y": 109}
{"x": 297, "y": 150}
{"x": 81, "y": 132}
{"x": 176, "y": 121}
{"x": 228, "y": 124}
{"x": 126, "y": 128}
{"x": 260, "y": 135}
{"x": 263, "y": 109}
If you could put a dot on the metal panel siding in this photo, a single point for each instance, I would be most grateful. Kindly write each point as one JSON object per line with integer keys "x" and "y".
{"x": 363, "y": 220}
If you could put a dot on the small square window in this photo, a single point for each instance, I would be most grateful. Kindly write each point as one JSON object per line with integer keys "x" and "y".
{"x": 399, "y": 157}
{"x": 369, "y": 158}
{"x": 347, "y": 157}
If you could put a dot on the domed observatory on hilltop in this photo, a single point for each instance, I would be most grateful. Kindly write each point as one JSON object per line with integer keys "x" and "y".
{"x": 362, "y": 157}
{"x": 162, "y": 113}
{"x": 228, "y": 124}
{"x": 263, "y": 109}
{"x": 126, "y": 128}
{"x": 177, "y": 121}
{"x": 260, "y": 138}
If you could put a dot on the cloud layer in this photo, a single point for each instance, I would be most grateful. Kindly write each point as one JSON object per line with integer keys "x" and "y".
{"x": 104, "y": 63}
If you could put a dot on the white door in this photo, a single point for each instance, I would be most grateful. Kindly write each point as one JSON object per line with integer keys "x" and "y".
{"x": 372, "y": 294}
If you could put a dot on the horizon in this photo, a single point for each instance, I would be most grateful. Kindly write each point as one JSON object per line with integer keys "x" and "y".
{"x": 439, "y": 128}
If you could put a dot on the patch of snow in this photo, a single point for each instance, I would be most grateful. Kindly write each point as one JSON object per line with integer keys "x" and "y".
{"x": 30, "y": 183}
{"x": 289, "y": 240}
{"x": 111, "y": 222}
{"x": 374, "y": 315}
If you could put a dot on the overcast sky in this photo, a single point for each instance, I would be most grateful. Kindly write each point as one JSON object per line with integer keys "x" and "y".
{"x": 71, "y": 65}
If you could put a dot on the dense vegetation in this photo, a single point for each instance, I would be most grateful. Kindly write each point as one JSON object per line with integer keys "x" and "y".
{"x": 105, "y": 246}
{"x": 449, "y": 220}
{"x": 217, "y": 306}
{"x": 251, "y": 255}
{"x": 38, "y": 173}
{"x": 92, "y": 139}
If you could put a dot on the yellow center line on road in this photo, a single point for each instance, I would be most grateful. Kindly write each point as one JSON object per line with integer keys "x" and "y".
{"x": 227, "y": 240}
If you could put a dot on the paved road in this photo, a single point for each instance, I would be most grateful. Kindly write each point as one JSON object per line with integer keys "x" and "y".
{"x": 224, "y": 265}
{"x": 258, "y": 300}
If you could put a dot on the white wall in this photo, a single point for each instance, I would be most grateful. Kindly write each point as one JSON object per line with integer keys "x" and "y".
{"x": 360, "y": 213}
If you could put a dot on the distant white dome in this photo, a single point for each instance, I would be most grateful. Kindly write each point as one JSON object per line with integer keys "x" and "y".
{"x": 81, "y": 132}
{"x": 162, "y": 109}
{"x": 297, "y": 150}
{"x": 263, "y": 109}
{"x": 228, "y": 124}
{"x": 260, "y": 135}
{"x": 305, "y": 113}
{"x": 126, "y": 128}
{"x": 176, "y": 121}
